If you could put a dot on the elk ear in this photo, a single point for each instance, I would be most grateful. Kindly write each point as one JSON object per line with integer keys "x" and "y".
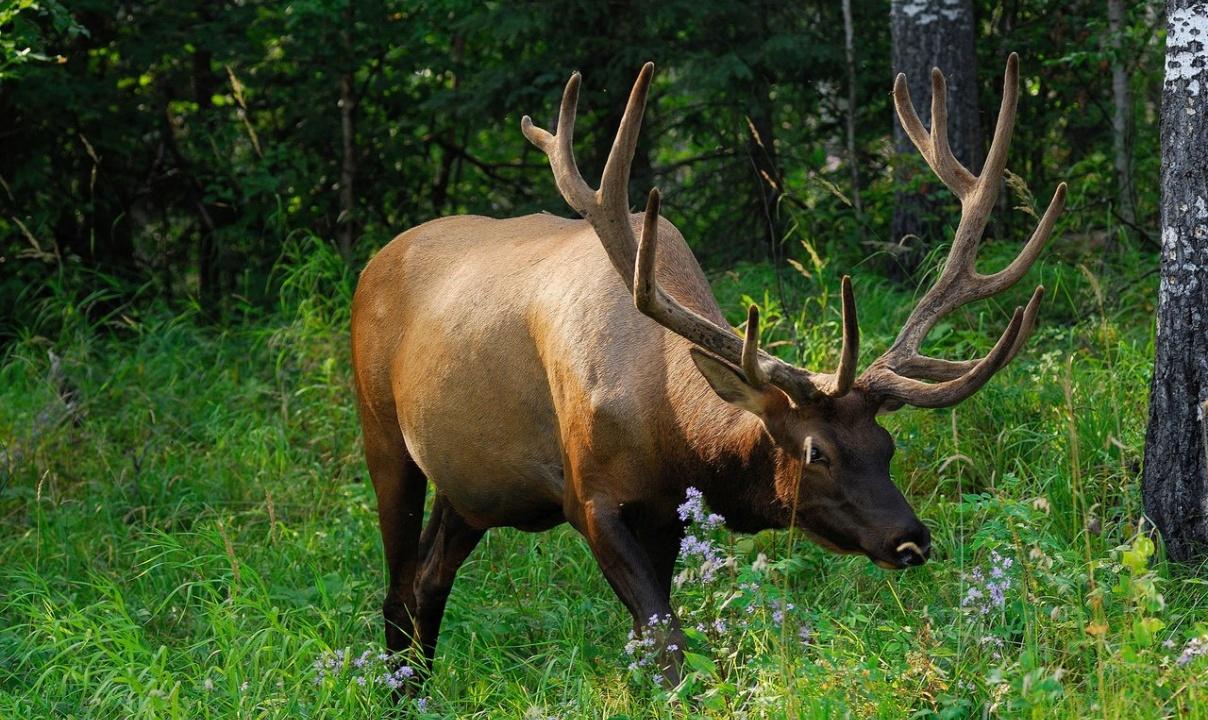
{"x": 731, "y": 385}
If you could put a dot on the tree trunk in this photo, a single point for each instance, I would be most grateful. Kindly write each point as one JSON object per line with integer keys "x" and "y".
{"x": 1121, "y": 116}
{"x": 346, "y": 220}
{"x": 852, "y": 163}
{"x": 1175, "y": 483}
{"x": 444, "y": 173}
{"x": 761, "y": 151}
{"x": 927, "y": 34}
{"x": 209, "y": 270}
{"x": 345, "y": 225}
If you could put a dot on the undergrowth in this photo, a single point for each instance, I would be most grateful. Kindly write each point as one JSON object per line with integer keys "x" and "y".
{"x": 193, "y": 535}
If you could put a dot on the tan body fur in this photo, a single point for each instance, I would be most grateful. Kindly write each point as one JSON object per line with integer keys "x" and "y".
{"x": 494, "y": 345}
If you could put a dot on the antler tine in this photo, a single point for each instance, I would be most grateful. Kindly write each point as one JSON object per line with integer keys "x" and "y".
{"x": 950, "y": 170}
{"x": 933, "y": 144}
{"x": 645, "y": 286}
{"x": 923, "y": 367}
{"x": 894, "y": 386}
{"x": 750, "y": 350}
{"x": 1008, "y": 276}
{"x": 607, "y": 208}
{"x": 897, "y": 373}
{"x": 909, "y": 117}
{"x": 839, "y": 382}
{"x": 652, "y": 301}
{"x": 614, "y": 182}
{"x": 560, "y": 149}
{"x": 1004, "y": 128}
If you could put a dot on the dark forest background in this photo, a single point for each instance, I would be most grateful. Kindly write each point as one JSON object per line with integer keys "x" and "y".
{"x": 173, "y": 149}
{"x": 189, "y": 189}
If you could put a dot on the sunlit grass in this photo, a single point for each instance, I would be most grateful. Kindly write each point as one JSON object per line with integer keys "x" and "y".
{"x": 206, "y": 532}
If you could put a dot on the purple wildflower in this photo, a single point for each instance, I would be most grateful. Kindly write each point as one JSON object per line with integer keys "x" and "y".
{"x": 805, "y": 634}
{"x": 992, "y": 643}
{"x": 1195, "y": 647}
{"x": 987, "y": 590}
{"x": 693, "y": 507}
{"x": 641, "y": 647}
{"x": 693, "y": 510}
{"x": 703, "y": 552}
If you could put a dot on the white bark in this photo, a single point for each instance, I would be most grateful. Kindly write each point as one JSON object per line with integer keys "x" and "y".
{"x": 927, "y": 34}
{"x": 1175, "y": 484}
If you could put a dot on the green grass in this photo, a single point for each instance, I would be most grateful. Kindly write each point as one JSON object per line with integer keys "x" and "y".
{"x": 206, "y": 532}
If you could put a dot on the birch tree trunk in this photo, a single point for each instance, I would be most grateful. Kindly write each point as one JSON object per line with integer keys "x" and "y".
{"x": 927, "y": 34}
{"x": 1121, "y": 116}
{"x": 1175, "y": 483}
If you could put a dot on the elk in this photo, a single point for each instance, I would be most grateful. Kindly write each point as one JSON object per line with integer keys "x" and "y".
{"x": 540, "y": 370}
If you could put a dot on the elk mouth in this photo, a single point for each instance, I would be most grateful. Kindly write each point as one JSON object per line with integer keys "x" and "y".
{"x": 905, "y": 555}
{"x": 908, "y": 554}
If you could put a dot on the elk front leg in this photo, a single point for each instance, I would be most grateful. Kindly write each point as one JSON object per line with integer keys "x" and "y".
{"x": 632, "y": 574}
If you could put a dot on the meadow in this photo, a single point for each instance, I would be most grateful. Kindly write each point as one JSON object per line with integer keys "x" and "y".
{"x": 195, "y": 536}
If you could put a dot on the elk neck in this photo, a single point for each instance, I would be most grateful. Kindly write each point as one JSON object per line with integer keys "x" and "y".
{"x": 725, "y": 452}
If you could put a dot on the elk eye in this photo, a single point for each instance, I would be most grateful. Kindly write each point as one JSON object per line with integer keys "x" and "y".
{"x": 816, "y": 456}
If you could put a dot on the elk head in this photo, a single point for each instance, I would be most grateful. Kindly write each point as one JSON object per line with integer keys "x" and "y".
{"x": 830, "y": 456}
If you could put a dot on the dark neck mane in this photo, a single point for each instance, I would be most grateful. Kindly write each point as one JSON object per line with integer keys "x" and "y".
{"x": 727, "y": 455}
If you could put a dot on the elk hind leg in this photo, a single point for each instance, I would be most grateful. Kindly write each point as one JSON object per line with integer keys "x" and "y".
{"x": 446, "y": 543}
{"x": 400, "y": 487}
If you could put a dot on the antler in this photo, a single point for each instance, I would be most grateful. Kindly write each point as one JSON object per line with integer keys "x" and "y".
{"x": 897, "y": 374}
{"x": 607, "y": 209}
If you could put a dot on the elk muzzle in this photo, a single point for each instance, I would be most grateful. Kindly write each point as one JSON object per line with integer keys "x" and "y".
{"x": 908, "y": 549}
{"x": 911, "y": 554}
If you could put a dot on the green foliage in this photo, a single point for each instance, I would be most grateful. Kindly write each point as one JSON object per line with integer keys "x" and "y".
{"x": 22, "y": 37}
{"x": 179, "y": 146}
{"x": 204, "y": 534}
{"x": 197, "y": 532}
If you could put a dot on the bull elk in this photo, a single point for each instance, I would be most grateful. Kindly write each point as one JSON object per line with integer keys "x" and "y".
{"x": 506, "y": 363}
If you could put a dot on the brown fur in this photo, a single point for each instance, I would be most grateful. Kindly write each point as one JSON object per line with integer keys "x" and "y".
{"x": 504, "y": 362}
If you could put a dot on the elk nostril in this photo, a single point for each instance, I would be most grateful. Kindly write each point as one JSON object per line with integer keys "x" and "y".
{"x": 910, "y": 554}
